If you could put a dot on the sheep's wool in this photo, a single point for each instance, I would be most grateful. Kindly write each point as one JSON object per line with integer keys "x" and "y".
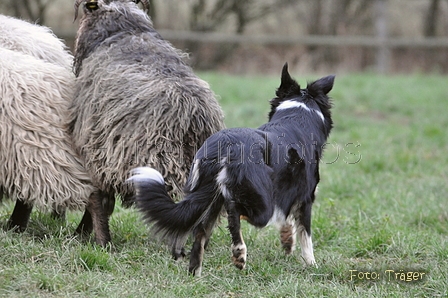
{"x": 137, "y": 103}
{"x": 37, "y": 41}
{"x": 37, "y": 161}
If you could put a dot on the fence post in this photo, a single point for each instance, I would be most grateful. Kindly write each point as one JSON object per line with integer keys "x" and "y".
{"x": 383, "y": 51}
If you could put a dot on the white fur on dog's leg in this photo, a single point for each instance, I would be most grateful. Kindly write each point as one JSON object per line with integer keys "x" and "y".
{"x": 307, "y": 247}
{"x": 198, "y": 271}
{"x": 239, "y": 255}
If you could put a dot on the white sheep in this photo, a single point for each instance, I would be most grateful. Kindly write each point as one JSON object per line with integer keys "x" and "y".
{"x": 38, "y": 165}
{"x": 34, "y": 40}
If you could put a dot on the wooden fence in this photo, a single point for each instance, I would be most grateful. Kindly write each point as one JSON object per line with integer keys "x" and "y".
{"x": 310, "y": 40}
{"x": 382, "y": 45}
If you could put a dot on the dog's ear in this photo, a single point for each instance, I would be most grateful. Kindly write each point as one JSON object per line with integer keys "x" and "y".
{"x": 321, "y": 86}
{"x": 288, "y": 86}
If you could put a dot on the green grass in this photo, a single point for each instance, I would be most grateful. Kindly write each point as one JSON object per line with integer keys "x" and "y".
{"x": 382, "y": 205}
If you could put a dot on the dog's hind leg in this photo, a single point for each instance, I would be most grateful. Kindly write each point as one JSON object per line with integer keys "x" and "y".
{"x": 239, "y": 249}
{"x": 197, "y": 251}
{"x": 201, "y": 236}
{"x": 303, "y": 221}
{"x": 288, "y": 235}
{"x": 213, "y": 218}
{"x": 178, "y": 248}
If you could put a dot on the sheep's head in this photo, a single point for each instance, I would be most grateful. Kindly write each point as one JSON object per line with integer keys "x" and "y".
{"x": 91, "y": 5}
{"x": 108, "y": 20}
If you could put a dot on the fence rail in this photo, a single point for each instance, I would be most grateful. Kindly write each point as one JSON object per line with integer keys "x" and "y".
{"x": 310, "y": 40}
{"x": 383, "y": 46}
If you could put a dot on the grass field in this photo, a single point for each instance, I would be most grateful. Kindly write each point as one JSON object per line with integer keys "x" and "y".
{"x": 381, "y": 212}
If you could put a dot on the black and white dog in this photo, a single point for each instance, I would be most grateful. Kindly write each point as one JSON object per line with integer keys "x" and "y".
{"x": 265, "y": 175}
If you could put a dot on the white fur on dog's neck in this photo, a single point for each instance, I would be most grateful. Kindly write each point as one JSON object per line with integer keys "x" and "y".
{"x": 289, "y": 104}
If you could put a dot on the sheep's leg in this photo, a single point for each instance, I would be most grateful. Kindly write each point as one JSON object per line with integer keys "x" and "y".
{"x": 108, "y": 203}
{"x": 100, "y": 218}
{"x": 96, "y": 218}
{"x": 303, "y": 220}
{"x": 20, "y": 216}
{"x": 288, "y": 235}
{"x": 85, "y": 227}
{"x": 239, "y": 250}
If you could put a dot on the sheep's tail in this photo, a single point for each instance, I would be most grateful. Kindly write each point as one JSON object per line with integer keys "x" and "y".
{"x": 171, "y": 220}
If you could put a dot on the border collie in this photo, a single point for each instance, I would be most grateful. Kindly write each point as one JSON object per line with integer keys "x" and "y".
{"x": 266, "y": 176}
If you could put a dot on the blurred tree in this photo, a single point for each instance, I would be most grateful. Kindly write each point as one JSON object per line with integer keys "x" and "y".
{"x": 206, "y": 16}
{"x": 334, "y": 17}
{"x": 210, "y": 15}
{"x": 33, "y": 10}
{"x": 431, "y": 19}
{"x": 152, "y": 12}
{"x": 381, "y": 24}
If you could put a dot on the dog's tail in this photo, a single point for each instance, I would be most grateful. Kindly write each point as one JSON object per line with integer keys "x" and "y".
{"x": 171, "y": 220}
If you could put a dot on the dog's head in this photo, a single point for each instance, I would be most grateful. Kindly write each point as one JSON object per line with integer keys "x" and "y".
{"x": 313, "y": 97}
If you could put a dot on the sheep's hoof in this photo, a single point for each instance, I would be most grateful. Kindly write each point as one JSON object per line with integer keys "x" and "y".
{"x": 18, "y": 228}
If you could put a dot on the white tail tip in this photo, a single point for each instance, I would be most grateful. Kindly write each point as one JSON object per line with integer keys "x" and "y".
{"x": 145, "y": 173}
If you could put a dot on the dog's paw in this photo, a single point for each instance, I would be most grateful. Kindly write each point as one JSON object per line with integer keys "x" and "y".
{"x": 239, "y": 255}
{"x": 178, "y": 254}
{"x": 195, "y": 270}
{"x": 310, "y": 261}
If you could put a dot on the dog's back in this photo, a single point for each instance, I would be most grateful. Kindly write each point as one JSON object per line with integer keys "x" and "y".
{"x": 236, "y": 162}
{"x": 295, "y": 138}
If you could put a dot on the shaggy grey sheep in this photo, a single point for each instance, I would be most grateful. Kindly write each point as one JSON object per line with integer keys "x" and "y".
{"x": 33, "y": 40}
{"x": 38, "y": 164}
{"x": 136, "y": 102}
